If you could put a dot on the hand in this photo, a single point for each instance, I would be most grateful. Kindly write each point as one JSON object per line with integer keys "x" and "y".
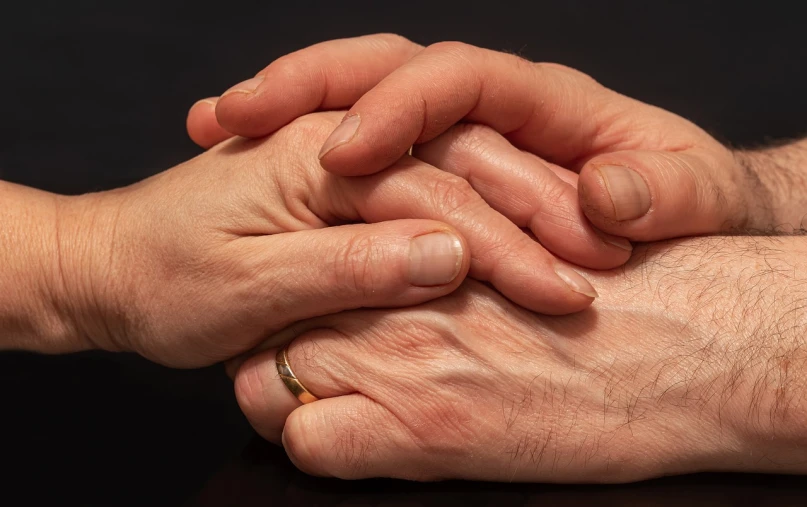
{"x": 476, "y": 153}
{"x": 644, "y": 173}
{"x": 202, "y": 262}
{"x": 693, "y": 360}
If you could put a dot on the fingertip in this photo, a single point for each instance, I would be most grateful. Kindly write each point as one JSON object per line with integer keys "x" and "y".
{"x": 623, "y": 244}
{"x": 202, "y": 125}
{"x": 355, "y": 157}
{"x": 299, "y": 440}
{"x": 569, "y": 303}
{"x": 554, "y": 288}
{"x": 235, "y": 113}
{"x": 261, "y": 395}
{"x": 566, "y": 300}
{"x": 557, "y": 288}
{"x": 394, "y": 263}
{"x": 575, "y": 281}
{"x": 371, "y": 137}
{"x": 439, "y": 260}
{"x": 342, "y": 135}
{"x": 253, "y": 108}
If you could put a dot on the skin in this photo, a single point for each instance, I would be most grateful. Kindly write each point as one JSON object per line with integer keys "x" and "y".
{"x": 692, "y": 360}
{"x": 406, "y": 94}
{"x": 704, "y": 336}
{"x": 204, "y": 261}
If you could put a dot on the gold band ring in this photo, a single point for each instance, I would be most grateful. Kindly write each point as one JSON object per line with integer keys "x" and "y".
{"x": 294, "y": 385}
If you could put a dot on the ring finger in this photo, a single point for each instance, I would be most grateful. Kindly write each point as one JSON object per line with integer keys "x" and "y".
{"x": 314, "y": 360}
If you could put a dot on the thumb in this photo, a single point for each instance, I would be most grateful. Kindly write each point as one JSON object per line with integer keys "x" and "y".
{"x": 654, "y": 195}
{"x": 304, "y": 274}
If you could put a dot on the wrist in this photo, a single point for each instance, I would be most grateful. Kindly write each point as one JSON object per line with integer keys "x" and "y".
{"x": 732, "y": 311}
{"x": 777, "y": 179}
{"x": 765, "y": 371}
{"x": 86, "y": 277}
{"x": 32, "y": 312}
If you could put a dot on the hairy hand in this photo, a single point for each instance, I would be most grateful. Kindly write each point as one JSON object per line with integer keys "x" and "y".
{"x": 644, "y": 173}
{"x": 692, "y": 360}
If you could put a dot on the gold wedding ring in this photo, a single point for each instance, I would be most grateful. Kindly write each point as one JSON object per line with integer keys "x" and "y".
{"x": 295, "y": 386}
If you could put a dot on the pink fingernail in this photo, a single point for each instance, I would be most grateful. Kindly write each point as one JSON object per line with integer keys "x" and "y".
{"x": 434, "y": 259}
{"x": 618, "y": 242}
{"x": 575, "y": 280}
{"x": 342, "y": 134}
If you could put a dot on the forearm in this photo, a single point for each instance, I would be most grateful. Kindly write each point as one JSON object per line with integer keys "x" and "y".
{"x": 34, "y": 308}
{"x": 749, "y": 296}
{"x": 726, "y": 317}
{"x": 780, "y": 174}
{"x": 770, "y": 303}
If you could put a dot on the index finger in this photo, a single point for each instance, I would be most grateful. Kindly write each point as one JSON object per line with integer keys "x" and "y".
{"x": 329, "y": 75}
{"x": 548, "y": 109}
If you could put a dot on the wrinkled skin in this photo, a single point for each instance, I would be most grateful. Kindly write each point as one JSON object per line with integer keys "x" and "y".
{"x": 581, "y": 131}
{"x": 204, "y": 261}
{"x": 691, "y": 360}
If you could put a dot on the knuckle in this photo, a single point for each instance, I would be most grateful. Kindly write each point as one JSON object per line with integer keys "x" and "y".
{"x": 308, "y": 129}
{"x": 306, "y": 354}
{"x": 554, "y": 192}
{"x": 557, "y": 66}
{"x": 353, "y": 444}
{"x": 521, "y": 64}
{"x": 475, "y": 138}
{"x": 355, "y": 266}
{"x": 427, "y": 340}
{"x": 291, "y": 68}
{"x": 413, "y": 335}
{"x": 454, "y": 48}
{"x": 446, "y": 425}
{"x": 307, "y": 125}
{"x": 347, "y": 452}
{"x": 452, "y": 194}
{"x": 392, "y": 39}
{"x": 567, "y": 71}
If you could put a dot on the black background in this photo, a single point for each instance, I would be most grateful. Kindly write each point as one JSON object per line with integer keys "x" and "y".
{"x": 94, "y": 94}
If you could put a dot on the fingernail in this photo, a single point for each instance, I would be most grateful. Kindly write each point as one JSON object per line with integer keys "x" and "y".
{"x": 248, "y": 86}
{"x": 628, "y": 191}
{"x": 618, "y": 242}
{"x": 434, "y": 259}
{"x": 209, "y": 102}
{"x": 575, "y": 280}
{"x": 341, "y": 135}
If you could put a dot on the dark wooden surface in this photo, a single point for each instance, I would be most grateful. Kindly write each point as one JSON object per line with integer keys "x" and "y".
{"x": 94, "y": 96}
